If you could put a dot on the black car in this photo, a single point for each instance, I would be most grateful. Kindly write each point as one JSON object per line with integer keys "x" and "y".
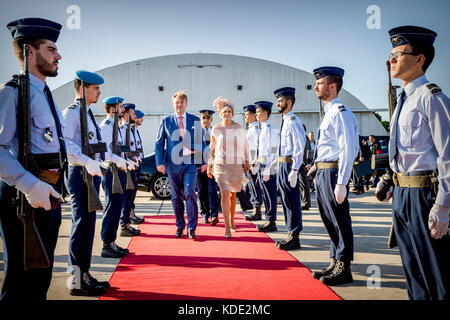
{"x": 151, "y": 180}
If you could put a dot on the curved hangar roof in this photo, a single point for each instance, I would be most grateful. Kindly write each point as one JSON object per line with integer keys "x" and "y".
{"x": 150, "y": 83}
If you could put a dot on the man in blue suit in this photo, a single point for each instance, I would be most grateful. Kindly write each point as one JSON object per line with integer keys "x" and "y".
{"x": 178, "y": 151}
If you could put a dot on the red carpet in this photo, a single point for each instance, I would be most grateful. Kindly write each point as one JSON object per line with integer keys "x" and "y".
{"x": 247, "y": 266}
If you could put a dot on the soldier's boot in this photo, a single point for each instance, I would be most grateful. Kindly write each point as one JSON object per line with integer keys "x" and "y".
{"x": 341, "y": 275}
{"x": 291, "y": 242}
{"x": 256, "y": 216}
{"x": 325, "y": 272}
{"x": 268, "y": 226}
{"x": 135, "y": 219}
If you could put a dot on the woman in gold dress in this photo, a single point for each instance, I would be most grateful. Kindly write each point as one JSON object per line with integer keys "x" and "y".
{"x": 228, "y": 160}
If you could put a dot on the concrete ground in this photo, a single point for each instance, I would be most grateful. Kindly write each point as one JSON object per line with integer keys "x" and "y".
{"x": 377, "y": 270}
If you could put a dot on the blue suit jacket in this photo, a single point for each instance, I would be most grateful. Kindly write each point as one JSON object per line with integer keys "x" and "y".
{"x": 169, "y": 144}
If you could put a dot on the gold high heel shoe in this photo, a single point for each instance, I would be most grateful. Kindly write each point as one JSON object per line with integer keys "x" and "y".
{"x": 228, "y": 235}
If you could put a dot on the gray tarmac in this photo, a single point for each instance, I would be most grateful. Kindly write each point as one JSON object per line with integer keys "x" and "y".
{"x": 377, "y": 271}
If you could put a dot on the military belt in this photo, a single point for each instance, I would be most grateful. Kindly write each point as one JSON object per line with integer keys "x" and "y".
{"x": 261, "y": 159}
{"x": 287, "y": 159}
{"x": 50, "y": 176}
{"x": 326, "y": 165}
{"x": 412, "y": 181}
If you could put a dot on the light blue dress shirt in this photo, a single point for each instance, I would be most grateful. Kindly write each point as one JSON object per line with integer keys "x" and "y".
{"x": 11, "y": 171}
{"x": 422, "y": 136}
{"x": 292, "y": 139}
{"x": 338, "y": 140}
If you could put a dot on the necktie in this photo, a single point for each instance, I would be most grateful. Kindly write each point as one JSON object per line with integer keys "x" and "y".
{"x": 281, "y": 131}
{"x": 206, "y": 136}
{"x": 181, "y": 126}
{"x": 393, "y": 133}
{"x": 62, "y": 145}
{"x": 97, "y": 130}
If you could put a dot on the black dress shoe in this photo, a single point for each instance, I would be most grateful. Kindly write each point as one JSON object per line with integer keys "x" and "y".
{"x": 135, "y": 219}
{"x": 87, "y": 287}
{"x": 179, "y": 233}
{"x": 324, "y": 272}
{"x": 254, "y": 217}
{"x": 111, "y": 250}
{"x": 341, "y": 275}
{"x": 214, "y": 221}
{"x": 191, "y": 234}
{"x": 129, "y": 231}
{"x": 205, "y": 219}
{"x": 305, "y": 208}
{"x": 104, "y": 284}
{"x": 268, "y": 226}
{"x": 290, "y": 243}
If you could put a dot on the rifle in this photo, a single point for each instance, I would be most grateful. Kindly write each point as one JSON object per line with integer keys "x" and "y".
{"x": 116, "y": 149}
{"x": 35, "y": 255}
{"x": 93, "y": 200}
{"x": 129, "y": 154}
{"x": 382, "y": 161}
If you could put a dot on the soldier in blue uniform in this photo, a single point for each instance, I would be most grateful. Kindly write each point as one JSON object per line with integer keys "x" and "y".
{"x": 46, "y": 137}
{"x": 418, "y": 150}
{"x": 83, "y": 221}
{"x": 207, "y": 188}
{"x": 290, "y": 158}
{"x": 251, "y": 196}
{"x": 336, "y": 149}
{"x": 137, "y": 138}
{"x": 266, "y": 158}
{"x": 113, "y": 201}
{"x": 125, "y": 222}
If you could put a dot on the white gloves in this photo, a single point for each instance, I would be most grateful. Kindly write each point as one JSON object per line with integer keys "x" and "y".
{"x": 312, "y": 172}
{"x": 438, "y": 221}
{"x": 93, "y": 167}
{"x": 120, "y": 162}
{"x": 132, "y": 165}
{"x": 39, "y": 195}
{"x": 380, "y": 185}
{"x": 340, "y": 191}
{"x": 293, "y": 177}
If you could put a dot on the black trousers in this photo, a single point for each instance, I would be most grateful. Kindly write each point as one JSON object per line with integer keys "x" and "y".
{"x": 19, "y": 283}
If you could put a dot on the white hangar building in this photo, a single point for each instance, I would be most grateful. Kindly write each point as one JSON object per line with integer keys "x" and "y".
{"x": 150, "y": 84}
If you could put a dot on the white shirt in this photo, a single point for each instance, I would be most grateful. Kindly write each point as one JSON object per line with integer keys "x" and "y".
{"x": 252, "y": 138}
{"x": 338, "y": 138}
{"x": 292, "y": 139}
{"x": 268, "y": 147}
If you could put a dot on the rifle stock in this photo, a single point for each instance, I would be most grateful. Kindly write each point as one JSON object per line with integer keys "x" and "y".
{"x": 93, "y": 199}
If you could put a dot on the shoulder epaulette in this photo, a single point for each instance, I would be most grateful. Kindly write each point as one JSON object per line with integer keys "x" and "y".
{"x": 341, "y": 108}
{"x": 107, "y": 122}
{"x": 292, "y": 117}
{"x": 72, "y": 106}
{"x": 434, "y": 89}
{"x": 13, "y": 83}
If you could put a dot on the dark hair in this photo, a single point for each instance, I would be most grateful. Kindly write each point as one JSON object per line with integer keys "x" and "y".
{"x": 292, "y": 98}
{"x": 107, "y": 107}
{"x": 334, "y": 78}
{"x": 427, "y": 51}
{"x": 18, "y": 46}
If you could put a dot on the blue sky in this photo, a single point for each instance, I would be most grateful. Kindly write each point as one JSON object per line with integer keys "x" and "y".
{"x": 301, "y": 34}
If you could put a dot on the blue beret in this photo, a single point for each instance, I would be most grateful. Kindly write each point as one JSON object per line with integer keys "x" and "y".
{"x": 89, "y": 77}
{"x": 129, "y": 106}
{"x": 206, "y": 112}
{"x": 250, "y": 107}
{"x": 327, "y": 71}
{"x": 139, "y": 114}
{"x": 285, "y": 91}
{"x": 112, "y": 100}
{"x": 264, "y": 105}
{"x": 34, "y": 27}
{"x": 412, "y": 35}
